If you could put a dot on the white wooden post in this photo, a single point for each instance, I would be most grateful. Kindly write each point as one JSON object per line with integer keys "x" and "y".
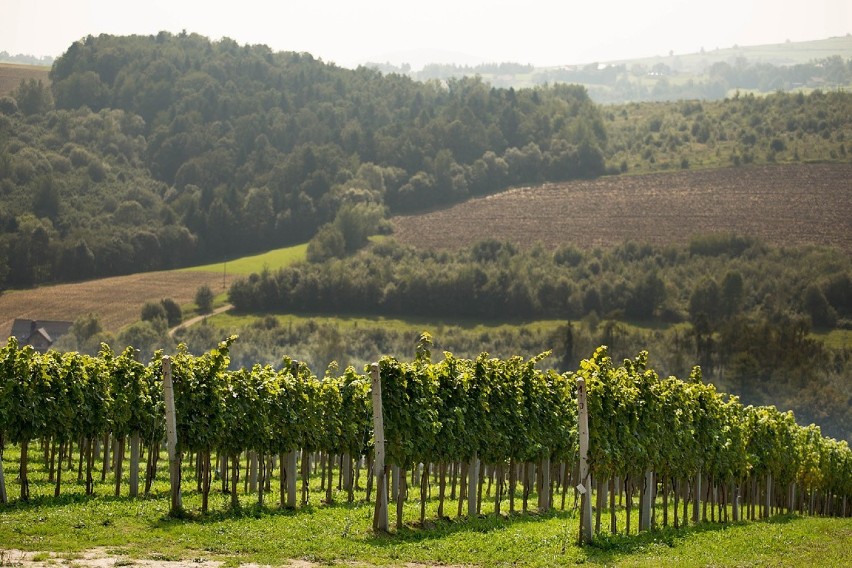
{"x": 134, "y": 464}
{"x": 696, "y": 497}
{"x": 584, "y": 487}
{"x": 735, "y": 502}
{"x": 380, "y": 515}
{"x": 252, "y": 476}
{"x": 473, "y": 486}
{"x": 647, "y": 496}
{"x": 3, "y": 497}
{"x": 290, "y": 468}
{"x": 544, "y": 496}
{"x": 767, "y": 507}
{"x": 171, "y": 437}
{"x": 395, "y": 482}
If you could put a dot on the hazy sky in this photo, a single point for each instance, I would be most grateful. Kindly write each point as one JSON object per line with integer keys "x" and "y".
{"x": 348, "y": 32}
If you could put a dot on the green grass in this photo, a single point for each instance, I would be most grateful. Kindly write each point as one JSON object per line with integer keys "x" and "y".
{"x": 246, "y": 265}
{"x": 340, "y": 533}
{"x": 233, "y": 321}
{"x": 834, "y": 338}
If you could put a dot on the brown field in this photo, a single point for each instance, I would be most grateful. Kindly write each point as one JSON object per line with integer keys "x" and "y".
{"x": 783, "y": 205}
{"x": 117, "y": 300}
{"x": 11, "y": 75}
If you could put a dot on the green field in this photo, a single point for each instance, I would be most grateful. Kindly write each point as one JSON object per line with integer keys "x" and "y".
{"x": 340, "y": 534}
{"x": 246, "y": 265}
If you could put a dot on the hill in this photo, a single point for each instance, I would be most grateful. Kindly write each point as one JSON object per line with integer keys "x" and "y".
{"x": 784, "y": 205}
{"x": 708, "y": 74}
{"x": 162, "y": 151}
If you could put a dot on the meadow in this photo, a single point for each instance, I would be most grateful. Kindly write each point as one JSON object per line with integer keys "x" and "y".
{"x": 79, "y": 530}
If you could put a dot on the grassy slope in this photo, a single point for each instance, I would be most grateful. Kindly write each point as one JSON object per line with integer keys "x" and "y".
{"x": 341, "y": 534}
{"x": 246, "y": 265}
{"x": 777, "y": 54}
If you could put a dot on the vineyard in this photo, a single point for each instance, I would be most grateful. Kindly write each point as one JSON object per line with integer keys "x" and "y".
{"x": 461, "y": 428}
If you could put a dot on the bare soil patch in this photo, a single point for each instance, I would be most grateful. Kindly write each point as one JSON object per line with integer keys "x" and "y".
{"x": 783, "y": 205}
{"x": 104, "y": 558}
{"x": 117, "y": 300}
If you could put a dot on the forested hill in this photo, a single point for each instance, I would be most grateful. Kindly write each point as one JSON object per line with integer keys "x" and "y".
{"x": 155, "y": 151}
{"x": 149, "y": 152}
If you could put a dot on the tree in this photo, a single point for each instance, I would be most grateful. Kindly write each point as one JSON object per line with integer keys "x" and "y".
{"x": 174, "y": 315}
{"x": 152, "y": 311}
{"x": 33, "y": 97}
{"x": 328, "y": 243}
{"x": 731, "y": 293}
{"x": 705, "y": 300}
{"x": 357, "y": 222}
{"x": 204, "y": 299}
{"x": 816, "y": 305}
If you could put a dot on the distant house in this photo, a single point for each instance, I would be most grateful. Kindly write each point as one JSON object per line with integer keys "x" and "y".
{"x": 40, "y": 334}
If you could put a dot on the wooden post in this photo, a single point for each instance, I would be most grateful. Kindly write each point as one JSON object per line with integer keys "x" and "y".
{"x": 171, "y": 437}
{"x": 544, "y": 495}
{"x": 647, "y": 496}
{"x": 767, "y": 506}
{"x": 473, "y": 486}
{"x": 696, "y": 497}
{"x": 735, "y": 502}
{"x": 3, "y": 497}
{"x": 134, "y": 463}
{"x": 252, "y": 474}
{"x": 380, "y": 515}
{"x": 292, "y": 476}
{"x": 584, "y": 487}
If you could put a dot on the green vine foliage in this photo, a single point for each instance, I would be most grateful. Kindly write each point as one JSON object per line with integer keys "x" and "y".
{"x": 434, "y": 412}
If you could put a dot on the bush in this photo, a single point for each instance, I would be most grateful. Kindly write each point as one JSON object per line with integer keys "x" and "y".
{"x": 204, "y": 299}
{"x": 152, "y": 311}
{"x": 174, "y": 315}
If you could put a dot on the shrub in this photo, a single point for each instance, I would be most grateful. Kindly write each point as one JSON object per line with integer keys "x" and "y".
{"x": 204, "y": 299}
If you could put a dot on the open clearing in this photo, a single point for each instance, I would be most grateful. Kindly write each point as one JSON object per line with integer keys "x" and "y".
{"x": 117, "y": 300}
{"x": 783, "y": 205}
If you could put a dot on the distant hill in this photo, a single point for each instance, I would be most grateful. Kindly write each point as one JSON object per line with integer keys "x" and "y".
{"x": 712, "y": 73}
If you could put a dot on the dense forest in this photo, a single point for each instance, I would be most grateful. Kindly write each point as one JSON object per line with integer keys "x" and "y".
{"x": 162, "y": 151}
{"x": 176, "y": 148}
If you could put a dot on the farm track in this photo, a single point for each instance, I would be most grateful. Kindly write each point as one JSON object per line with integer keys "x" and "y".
{"x": 117, "y": 300}
{"x": 783, "y": 205}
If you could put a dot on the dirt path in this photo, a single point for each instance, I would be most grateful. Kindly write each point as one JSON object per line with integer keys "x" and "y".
{"x": 108, "y": 558}
{"x": 202, "y": 317}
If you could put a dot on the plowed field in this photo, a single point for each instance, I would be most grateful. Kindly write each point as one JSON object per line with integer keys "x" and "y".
{"x": 782, "y": 205}
{"x": 12, "y": 74}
